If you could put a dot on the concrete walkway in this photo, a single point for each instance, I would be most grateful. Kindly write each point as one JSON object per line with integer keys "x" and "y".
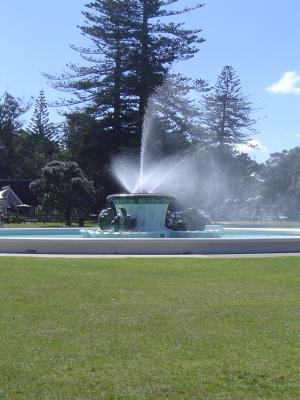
{"x": 103, "y": 256}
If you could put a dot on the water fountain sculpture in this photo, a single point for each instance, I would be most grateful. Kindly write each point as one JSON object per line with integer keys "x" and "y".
{"x": 147, "y": 215}
{"x": 151, "y": 182}
{"x": 146, "y": 211}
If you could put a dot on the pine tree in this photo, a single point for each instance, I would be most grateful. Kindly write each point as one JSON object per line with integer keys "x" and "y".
{"x": 11, "y": 109}
{"x": 173, "y": 108}
{"x": 101, "y": 85}
{"x": 132, "y": 51}
{"x": 228, "y": 112}
{"x": 40, "y": 124}
{"x": 160, "y": 44}
{"x": 43, "y": 133}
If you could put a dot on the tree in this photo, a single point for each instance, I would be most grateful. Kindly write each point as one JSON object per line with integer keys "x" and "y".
{"x": 65, "y": 188}
{"x": 43, "y": 133}
{"x": 172, "y": 119}
{"x": 228, "y": 112}
{"x": 40, "y": 124}
{"x": 282, "y": 180}
{"x": 160, "y": 44}
{"x": 88, "y": 144}
{"x": 100, "y": 85}
{"x": 215, "y": 179}
{"x": 27, "y": 160}
{"x": 11, "y": 109}
{"x": 175, "y": 108}
{"x": 132, "y": 51}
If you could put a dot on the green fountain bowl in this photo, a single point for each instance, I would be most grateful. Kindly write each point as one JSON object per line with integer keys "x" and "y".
{"x": 140, "y": 198}
{"x": 148, "y": 209}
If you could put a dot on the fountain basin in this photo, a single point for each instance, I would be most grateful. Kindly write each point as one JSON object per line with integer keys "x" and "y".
{"x": 149, "y": 210}
{"x": 69, "y": 241}
{"x": 164, "y": 233}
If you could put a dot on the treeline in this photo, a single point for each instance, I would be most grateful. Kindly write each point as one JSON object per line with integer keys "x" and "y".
{"x": 134, "y": 46}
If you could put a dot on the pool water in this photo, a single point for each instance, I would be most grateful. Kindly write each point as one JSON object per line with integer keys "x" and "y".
{"x": 76, "y": 233}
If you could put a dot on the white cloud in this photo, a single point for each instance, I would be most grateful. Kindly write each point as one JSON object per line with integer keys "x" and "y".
{"x": 252, "y": 146}
{"x": 287, "y": 84}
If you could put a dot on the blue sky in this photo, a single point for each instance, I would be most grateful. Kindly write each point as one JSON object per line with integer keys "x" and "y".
{"x": 259, "y": 38}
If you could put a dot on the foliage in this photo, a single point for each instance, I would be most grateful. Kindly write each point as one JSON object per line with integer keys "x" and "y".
{"x": 175, "y": 112}
{"x": 228, "y": 113}
{"x": 11, "y": 110}
{"x": 240, "y": 175}
{"x": 40, "y": 124}
{"x": 43, "y": 133}
{"x": 65, "y": 188}
{"x": 160, "y": 44}
{"x": 88, "y": 143}
{"x": 281, "y": 180}
{"x": 23, "y": 152}
{"x": 132, "y": 50}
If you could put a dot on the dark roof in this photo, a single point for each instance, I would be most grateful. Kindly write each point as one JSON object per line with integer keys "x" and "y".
{"x": 21, "y": 188}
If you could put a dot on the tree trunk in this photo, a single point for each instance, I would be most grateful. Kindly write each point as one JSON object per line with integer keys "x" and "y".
{"x": 68, "y": 217}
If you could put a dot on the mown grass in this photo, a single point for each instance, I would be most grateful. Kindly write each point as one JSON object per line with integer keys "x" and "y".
{"x": 149, "y": 328}
{"x": 49, "y": 225}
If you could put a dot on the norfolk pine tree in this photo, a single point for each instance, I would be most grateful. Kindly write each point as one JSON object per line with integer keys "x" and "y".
{"x": 43, "y": 132}
{"x": 40, "y": 124}
{"x": 100, "y": 86}
{"x": 228, "y": 113}
{"x": 161, "y": 43}
{"x": 132, "y": 51}
{"x": 11, "y": 109}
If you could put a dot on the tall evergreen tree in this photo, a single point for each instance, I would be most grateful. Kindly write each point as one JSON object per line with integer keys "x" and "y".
{"x": 11, "y": 109}
{"x": 91, "y": 146}
{"x": 40, "y": 124}
{"x": 228, "y": 113}
{"x": 160, "y": 44}
{"x": 173, "y": 117}
{"x": 101, "y": 86}
{"x": 43, "y": 133}
{"x": 132, "y": 51}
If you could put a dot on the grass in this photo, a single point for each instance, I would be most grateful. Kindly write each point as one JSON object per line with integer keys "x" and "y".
{"x": 48, "y": 225}
{"x": 149, "y": 329}
{"x": 36, "y": 225}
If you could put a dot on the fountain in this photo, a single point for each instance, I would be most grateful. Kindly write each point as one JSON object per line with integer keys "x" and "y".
{"x": 143, "y": 220}
{"x": 152, "y": 183}
{"x": 148, "y": 211}
{"x": 141, "y": 215}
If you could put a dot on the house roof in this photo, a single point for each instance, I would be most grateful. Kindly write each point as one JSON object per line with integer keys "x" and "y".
{"x": 9, "y": 197}
{"x": 21, "y": 189}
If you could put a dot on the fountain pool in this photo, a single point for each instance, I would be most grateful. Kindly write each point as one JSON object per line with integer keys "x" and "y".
{"x": 70, "y": 241}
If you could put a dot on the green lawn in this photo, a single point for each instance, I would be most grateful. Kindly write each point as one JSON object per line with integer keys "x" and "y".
{"x": 93, "y": 224}
{"x": 149, "y": 329}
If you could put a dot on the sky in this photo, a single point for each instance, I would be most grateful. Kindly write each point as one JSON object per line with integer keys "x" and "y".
{"x": 259, "y": 38}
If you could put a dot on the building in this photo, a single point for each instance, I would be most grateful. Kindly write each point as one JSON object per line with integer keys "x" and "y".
{"x": 15, "y": 195}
